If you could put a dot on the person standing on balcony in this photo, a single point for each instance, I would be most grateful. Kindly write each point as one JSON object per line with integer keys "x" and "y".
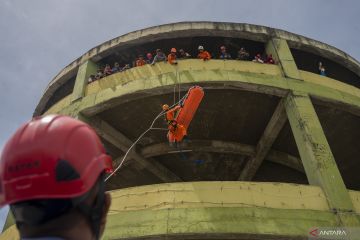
{"x": 149, "y": 58}
{"x": 322, "y": 69}
{"x": 107, "y": 70}
{"x": 54, "y": 185}
{"x": 172, "y": 57}
{"x": 183, "y": 54}
{"x": 243, "y": 54}
{"x": 224, "y": 54}
{"x": 159, "y": 57}
{"x": 269, "y": 59}
{"x": 204, "y": 55}
{"x": 258, "y": 58}
{"x": 140, "y": 61}
{"x": 116, "y": 68}
{"x": 99, "y": 74}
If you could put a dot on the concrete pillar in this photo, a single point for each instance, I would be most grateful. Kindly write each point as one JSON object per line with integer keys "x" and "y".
{"x": 316, "y": 156}
{"x": 282, "y": 55}
{"x": 85, "y": 70}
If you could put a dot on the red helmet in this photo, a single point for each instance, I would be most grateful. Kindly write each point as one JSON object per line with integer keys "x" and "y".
{"x": 51, "y": 157}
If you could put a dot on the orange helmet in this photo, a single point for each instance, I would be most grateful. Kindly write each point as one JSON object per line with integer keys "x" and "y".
{"x": 173, "y": 50}
{"x": 165, "y": 107}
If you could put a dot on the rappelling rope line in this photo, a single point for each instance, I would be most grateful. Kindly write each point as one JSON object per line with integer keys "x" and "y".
{"x": 179, "y": 82}
{"x": 137, "y": 140}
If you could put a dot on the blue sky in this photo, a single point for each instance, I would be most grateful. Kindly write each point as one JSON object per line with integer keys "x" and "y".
{"x": 39, "y": 37}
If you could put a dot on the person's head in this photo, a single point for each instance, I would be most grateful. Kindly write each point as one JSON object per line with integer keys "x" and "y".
{"x": 165, "y": 107}
{"x": 201, "y": 48}
{"x": 158, "y": 51}
{"x": 52, "y": 176}
{"x": 223, "y": 49}
{"x": 242, "y": 49}
{"x": 181, "y": 51}
{"x": 117, "y": 64}
{"x": 149, "y": 56}
{"x": 173, "y": 51}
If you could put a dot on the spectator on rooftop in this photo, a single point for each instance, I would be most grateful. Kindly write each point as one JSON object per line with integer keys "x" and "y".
{"x": 172, "y": 57}
{"x": 126, "y": 67}
{"x": 322, "y": 69}
{"x": 269, "y": 59}
{"x": 243, "y": 54}
{"x": 224, "y": 54}
{"x": 91, "y": 78}
{"x": 159, "y": 57}
{"x": 258, "y": 58}
{"x": 183, "y": 54}
{"x": 116, "y": 67}
{"x": 204, "y": 55}
{"x": 99, "y": 74}
{"x": 140, "y": 61}
{"x": 107, "y": 70}
{"x": 149, "y": 58}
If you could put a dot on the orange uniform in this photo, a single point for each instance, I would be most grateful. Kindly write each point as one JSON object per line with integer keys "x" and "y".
{"x": 176, "y": 133}
{"x": 171, "y": 58}
{"x": 205, "y": 55}
{"x": 170, "y": 114}
{"x": 140, "y": 62}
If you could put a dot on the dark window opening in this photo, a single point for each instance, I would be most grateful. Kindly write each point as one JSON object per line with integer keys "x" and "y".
{"x": 310, "y": 62}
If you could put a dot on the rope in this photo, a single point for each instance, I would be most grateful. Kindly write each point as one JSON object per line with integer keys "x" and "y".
{"x": 142, "y": 135}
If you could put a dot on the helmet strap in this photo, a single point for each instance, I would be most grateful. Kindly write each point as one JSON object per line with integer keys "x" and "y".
{"x": 94, "y": 213}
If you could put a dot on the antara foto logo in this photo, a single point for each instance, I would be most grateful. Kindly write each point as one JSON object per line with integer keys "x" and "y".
{"x": 314, "y": 232}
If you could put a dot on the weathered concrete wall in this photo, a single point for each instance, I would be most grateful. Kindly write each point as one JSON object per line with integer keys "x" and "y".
{"x": 220, "y": 209}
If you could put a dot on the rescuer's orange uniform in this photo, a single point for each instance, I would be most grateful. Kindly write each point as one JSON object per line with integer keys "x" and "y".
{"x": 176, "y": 132}
{"x": 172, "y": 58}
{"x": 170, "y": 114}
{"x": 205, "y": 55}
{"x": 140, "y": 62}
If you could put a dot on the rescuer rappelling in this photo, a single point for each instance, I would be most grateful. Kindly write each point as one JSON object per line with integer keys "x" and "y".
{"x": 179, "y": 117}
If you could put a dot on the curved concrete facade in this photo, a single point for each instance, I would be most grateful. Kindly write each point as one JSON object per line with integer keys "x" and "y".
{"x": 190, "y": 29}
{"x": 273, "y": 149}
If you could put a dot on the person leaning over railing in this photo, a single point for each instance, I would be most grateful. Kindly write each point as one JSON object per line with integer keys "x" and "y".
{"x": 204, "y": 55}
{"x": 183, "y": 54}
{"x": 116, "y": 68}
{"x": 159, "y": 57}
{"x": 243, "y": 54}
{"x": 224, "y": 54}
{"x": 140, "y": 61}
{"x": 172, "y": 57}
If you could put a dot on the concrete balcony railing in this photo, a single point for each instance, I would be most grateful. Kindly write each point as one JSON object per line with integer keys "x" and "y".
{"x": 217, "y": 209}
{"x": 264, "y": 78}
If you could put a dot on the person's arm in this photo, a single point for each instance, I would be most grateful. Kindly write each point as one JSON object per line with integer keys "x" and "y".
{"x": 169, "y": 59}
{"x": 208, "y": 56}
{"x": 174, "y": 109}
{"x": 154, "y": 60}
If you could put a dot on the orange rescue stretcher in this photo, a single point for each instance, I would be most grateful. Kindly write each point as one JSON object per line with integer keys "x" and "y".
{"x": 183, "y": 119}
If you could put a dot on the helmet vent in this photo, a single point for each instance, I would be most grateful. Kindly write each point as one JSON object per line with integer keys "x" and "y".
{"x": 65, "y": 172}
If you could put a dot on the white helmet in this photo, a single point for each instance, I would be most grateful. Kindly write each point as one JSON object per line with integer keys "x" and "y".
{"x": 200, "y": 48}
